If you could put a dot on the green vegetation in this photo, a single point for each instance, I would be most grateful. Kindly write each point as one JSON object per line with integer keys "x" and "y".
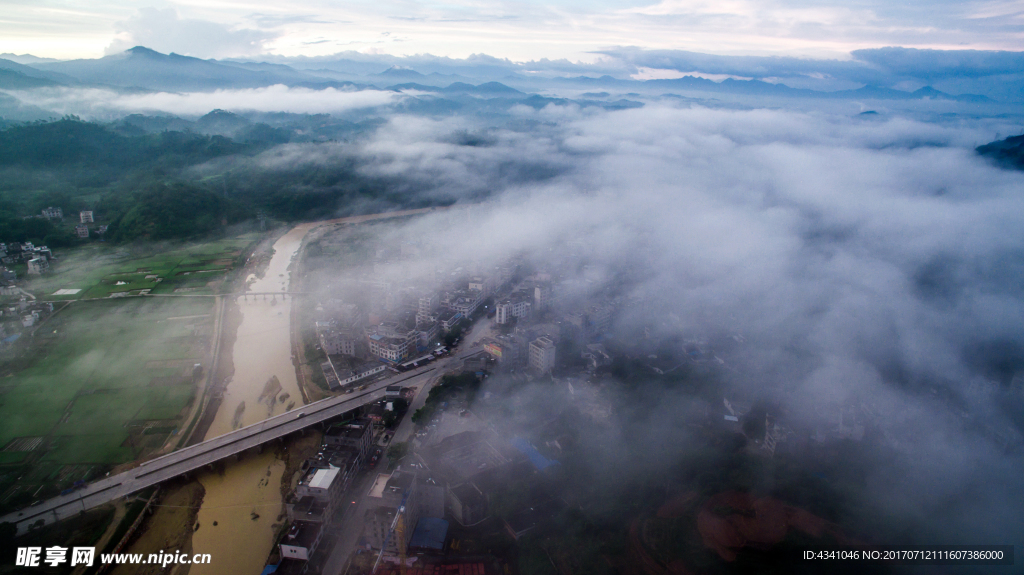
{"x": 167, "y": 185}
{"x": 456, "y": 332}
{"x": 398, "y": 450}
{"x": 109, "y": 382}
{"x": 163, "y": 212}
{"x": 100, "y": 270}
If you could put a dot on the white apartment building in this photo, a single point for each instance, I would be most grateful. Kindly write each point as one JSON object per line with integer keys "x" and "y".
{"x": 427, "y": 303}
{"x": 391, "y": 342}
{"x": 482, "y": 284}
{"x": 542, "y": 354}
{"x": 508, "y": 309}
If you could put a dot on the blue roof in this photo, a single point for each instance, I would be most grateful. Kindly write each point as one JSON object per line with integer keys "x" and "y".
{"x": 430, "y": 533}
{"x": 538, "y": 460}
{"x": 12, "y": 339}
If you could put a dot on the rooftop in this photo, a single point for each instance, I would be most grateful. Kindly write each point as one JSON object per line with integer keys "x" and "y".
{"x": 309, "y": 505}
{"x": 323, "y": 478}
{"x": 400, "y": 481}
{"x": 301, "y": 534}
{"x": 430, "y": 533}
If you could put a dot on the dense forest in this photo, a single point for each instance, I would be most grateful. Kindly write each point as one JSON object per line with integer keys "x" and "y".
{"x": 139, "y": 176}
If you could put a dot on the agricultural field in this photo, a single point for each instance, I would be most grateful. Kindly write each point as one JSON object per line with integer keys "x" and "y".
{"x": 101, "y": 271}
{"x": 107, "y": 380}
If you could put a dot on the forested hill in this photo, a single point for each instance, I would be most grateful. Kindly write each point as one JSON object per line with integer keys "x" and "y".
{"x": 144, "y": 185}
{"x": 70, "y": 142}
{"x": 1008, "y": 152}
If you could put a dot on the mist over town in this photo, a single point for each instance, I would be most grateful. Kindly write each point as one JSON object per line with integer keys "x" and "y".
{"x": 284, "y": 300}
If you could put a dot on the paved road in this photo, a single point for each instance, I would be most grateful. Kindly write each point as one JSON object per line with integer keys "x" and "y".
{"x": 197, "y": 456}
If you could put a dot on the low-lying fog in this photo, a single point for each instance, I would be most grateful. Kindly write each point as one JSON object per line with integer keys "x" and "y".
{"x": 877, "y": 261}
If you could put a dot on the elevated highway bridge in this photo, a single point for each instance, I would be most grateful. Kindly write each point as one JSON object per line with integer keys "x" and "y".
{"x": 200, "y": 455}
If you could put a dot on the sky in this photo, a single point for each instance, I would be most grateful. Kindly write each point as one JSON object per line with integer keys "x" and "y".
{"x": 521, "y": 30}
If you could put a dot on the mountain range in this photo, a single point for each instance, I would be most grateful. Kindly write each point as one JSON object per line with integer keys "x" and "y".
{"x": 141, "y": 68}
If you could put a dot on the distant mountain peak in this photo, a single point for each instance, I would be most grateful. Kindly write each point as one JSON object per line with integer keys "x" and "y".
{"x": 400, "y": 72}
{"x": 143, "y": 51}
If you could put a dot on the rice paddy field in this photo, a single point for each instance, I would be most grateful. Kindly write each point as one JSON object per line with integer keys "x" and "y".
{"x": 99, "y": 271}
{"x": 107, "y": 379}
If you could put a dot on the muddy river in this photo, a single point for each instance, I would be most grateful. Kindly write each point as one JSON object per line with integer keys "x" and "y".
{"x": 241, "y": 506}
{"x": 245, "y": 501}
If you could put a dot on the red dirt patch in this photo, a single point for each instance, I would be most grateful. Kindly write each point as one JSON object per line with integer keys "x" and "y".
{"x": 732, "y": 520}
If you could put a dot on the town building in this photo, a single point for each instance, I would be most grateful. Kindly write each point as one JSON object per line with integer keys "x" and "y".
{"x": 338, "y": 341}
{"x": 482, "y": 284}
{"x": 391, "y": 341}
{"x": 37, "y": 266}
{"x": 508, "y": 310}
{"x": 464, "y": 301}
{"x": 428, "y": 332}
{"x": 301, "y": 541}
{"x": 430, "y": 535}
{"x": 390, "y": 493}
{"x": 541, "y": 297}
{"x": 427, "y": 302}
{"x": 330, "y": 375}
{"x": 542, "y": 354}
{"x": 348, "y": 377}
{"x": 82, "y": 230}
{"x": 85, "y": 217}
{"x": 53, "y": 213}
{"x": 321, "y": 483}
{"x": 356, "y": 435}
{"x": 448, "y": 319}
{"x": 508, "y": 350}
{"x": 467, "y": 503}
{"x": 421, "y": 496}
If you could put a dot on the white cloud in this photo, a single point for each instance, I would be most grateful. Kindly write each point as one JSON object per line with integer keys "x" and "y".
{"x": 101, "y": 104}
{"x": 164, "y": 31}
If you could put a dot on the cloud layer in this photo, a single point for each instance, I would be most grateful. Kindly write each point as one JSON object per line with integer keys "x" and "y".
{"x": 858, "y": 265}
{"x": 104, "y": 104}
